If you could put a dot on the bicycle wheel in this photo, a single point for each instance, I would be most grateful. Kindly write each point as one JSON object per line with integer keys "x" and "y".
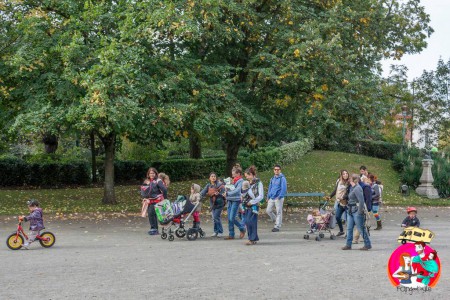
{"x": 47, "y": 239}
{"x": 14, "y": 243}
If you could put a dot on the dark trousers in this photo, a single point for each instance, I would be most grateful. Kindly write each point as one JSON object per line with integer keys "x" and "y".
{"x": 152, "y": 217}
{"x": 251, "y": 221}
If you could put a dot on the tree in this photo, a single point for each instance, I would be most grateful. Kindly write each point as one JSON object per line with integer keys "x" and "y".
{"x": 433, "y": 104}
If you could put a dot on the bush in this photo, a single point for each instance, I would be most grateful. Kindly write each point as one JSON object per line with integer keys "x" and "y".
{"x": 16, "y": 172}
{"x": 409, "y": 164}
{"x": 379, "y": 149}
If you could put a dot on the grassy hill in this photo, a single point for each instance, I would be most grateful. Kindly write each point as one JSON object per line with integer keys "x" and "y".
{"x": 315, "y": 172}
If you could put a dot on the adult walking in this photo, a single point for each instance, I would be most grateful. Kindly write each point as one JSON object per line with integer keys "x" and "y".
{"x": 377, "y": 190}
{"x": 234, "y": 200}
{"x": 158, "y": 192}
{"x": 275, "y": 197}
{"x": 215, "y": 190}
{"x": 256, "y": 194}
{"x": 356, "y": 214}
{"x": 341, "y": 193}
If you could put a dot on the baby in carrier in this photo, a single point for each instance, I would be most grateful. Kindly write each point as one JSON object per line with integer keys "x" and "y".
{"x": 316, "y": 220}
{"x": 245, "y": 197}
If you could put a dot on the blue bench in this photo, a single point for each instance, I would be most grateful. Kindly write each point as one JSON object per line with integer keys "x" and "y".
{"x": 291, "y": 204}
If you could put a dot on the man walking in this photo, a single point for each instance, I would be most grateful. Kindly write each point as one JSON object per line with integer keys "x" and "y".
{"x": 275, "y": 197}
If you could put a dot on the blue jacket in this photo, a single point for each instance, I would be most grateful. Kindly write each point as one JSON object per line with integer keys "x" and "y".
{"x": 277, "y": 187}
{"x": 235, "y": 195}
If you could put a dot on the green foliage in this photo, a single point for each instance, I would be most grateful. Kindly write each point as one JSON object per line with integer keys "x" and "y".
{"x": 17, "y": 172}
{"x": 409, "y": 164}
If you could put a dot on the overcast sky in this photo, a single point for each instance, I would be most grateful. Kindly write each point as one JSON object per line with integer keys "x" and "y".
{"x": 438, "y": 43}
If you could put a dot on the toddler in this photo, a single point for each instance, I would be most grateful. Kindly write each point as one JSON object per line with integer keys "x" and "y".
{"x": 411, "y": 219}
{"x": 314, "y": 220}
{"x": 245, "y": 196}
{"x": 195, "y": 198}
{"x": 36, "y": 221}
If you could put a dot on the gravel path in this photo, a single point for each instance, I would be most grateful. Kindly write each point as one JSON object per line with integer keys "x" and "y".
{"x": 112, "y": 257}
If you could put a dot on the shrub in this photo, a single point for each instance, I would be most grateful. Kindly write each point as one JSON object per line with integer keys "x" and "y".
{"x": 16, "y": 172}
{"x": 378, "y": 149}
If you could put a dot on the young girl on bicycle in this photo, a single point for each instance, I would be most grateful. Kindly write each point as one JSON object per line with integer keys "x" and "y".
{"x": 36, "y": 221}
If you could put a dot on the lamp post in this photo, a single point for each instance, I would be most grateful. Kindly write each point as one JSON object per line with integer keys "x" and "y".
{"x": 404, "y": 109}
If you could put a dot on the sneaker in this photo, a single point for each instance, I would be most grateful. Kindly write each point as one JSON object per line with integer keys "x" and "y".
{"x": 275, "y": 230}
{"x": 214, "y": 234}
{"x": 340, "y": 233}
{"x": 25, "y": 246}
{"x": 310, "y": 231}
{"x": 229, "y": 238}
{"x": 219, "y": 235}
{"x": 153, "y": 232}
{"x": 255, "y": 212}
{"x": 346, "y": 248}
{"x": 365, "y": 248}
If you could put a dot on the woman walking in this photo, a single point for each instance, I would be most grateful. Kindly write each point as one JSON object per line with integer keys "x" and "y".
{"x": 256, "y": 194}
{"x": 234, "y": 200}
{"x": 341, "y": 193}
{"x": 377, "y": 189}
{"x": 157, "y": 193}
{"x": 215, "y": 190}
{"x": 356, "y": 214}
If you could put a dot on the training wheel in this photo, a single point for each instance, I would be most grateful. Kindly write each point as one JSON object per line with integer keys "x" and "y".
{"x": 164, "y": 235}
{"x": 321, "y": 235}
{"x": 171, "y": 238}
{"x": 318, "y": 238}
{"x": 333, "y": 237}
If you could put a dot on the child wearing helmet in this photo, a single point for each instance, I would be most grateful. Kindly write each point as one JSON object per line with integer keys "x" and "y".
{"x": 36, "y": 221}
{"x": 411, "y": 219}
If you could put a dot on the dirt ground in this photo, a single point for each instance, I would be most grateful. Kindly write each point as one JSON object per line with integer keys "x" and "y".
{"x": 112, "y": 257}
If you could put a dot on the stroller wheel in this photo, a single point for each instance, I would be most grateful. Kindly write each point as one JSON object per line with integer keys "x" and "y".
{"x": 333, "y": 237}
{"x": 171, "y": 238}
{"x": 202, "y": 233}
{"x": 192, "y": 234}
{"x": 321, "y": 235}
{"x": 306, "y": 236}
{"x": 318, "y": 238}
{"x": 180, "y": 232}
{"x": 164, "y": 235}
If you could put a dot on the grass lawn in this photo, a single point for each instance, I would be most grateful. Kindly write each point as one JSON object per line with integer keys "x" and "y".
{"x": 315, "y": 172}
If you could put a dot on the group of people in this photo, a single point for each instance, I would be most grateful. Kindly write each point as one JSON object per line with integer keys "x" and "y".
{"x": 242, "y": 198}
{"x": 356, "y": 195}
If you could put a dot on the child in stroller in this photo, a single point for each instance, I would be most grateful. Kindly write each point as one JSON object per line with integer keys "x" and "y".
{"x": 320, "y": 222}
{"x": 172, "y": 218}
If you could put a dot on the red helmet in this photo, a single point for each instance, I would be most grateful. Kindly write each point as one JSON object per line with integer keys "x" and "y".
{"x": 410, "y": 209}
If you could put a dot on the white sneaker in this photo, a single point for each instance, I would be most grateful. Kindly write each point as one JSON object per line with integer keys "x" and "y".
{"x": 25, "y": 246}
{"x": 219, "y": 235}
{"x": 214, "y": 234}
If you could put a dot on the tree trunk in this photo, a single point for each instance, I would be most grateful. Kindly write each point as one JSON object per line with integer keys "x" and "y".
{"x": 109, "y": 196}
{"x": 232, "y": 150}
{"x": 93, "y": 157}
{"x": 195, "y": 146}
{"x": 50, "y": 142}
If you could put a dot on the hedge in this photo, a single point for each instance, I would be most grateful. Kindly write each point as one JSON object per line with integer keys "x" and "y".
{"x": 187, "y": 169}
{"x": 379, "y": 149}
{"x": 17, "y": 172}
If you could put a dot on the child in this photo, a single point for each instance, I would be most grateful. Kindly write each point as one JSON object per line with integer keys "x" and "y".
{"x": 314, "y": 220}
{"x": 411, "y": 219}
{"x": 36, "y": 221}
{"x": 245, "y": 196}
{"x": 228, "y": 185}
{"x": 195, "y": 199}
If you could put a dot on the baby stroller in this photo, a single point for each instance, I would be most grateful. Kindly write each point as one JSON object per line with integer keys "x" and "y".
{"x": 172, "y": 218}
{"x": 321, "y": 224}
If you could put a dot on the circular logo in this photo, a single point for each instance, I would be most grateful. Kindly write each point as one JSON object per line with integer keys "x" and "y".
{"x": 414, "y": 265}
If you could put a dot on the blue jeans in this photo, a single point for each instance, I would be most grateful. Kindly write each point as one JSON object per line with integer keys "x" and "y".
{"x": 340, "y": 212}
{"x": 344, "y": 216}
{"x": 358, "y": 220}
{"x": 233, "y": 207}
{"x": 251, "y": 221}
{"x": 216, "y": 213}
